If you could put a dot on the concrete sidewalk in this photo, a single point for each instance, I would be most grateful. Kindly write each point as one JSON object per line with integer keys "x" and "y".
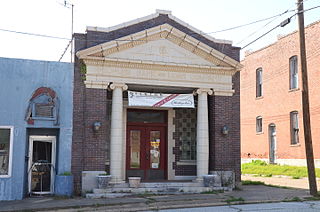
{"x": 247, "y": 194}
{"x": 287, "y": 181}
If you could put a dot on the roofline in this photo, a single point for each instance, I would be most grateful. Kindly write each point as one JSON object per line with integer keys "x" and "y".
{"x": 154, "y": 15}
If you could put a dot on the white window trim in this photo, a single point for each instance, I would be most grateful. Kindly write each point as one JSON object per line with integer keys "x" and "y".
{"x": 10, "y": 151}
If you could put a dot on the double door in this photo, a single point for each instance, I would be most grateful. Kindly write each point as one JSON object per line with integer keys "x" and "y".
{"x": 146, "y": 155}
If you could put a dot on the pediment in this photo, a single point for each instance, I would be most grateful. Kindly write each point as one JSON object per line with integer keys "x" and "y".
{"x": 160, "y": 51}
{"x": 163, "y": 44}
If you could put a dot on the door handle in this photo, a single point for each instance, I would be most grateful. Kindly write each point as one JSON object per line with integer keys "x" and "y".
{"x": 147, "y": 156}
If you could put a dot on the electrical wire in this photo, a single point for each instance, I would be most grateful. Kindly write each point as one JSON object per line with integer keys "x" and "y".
{"x": 65, "y": 50}
{"x": 98, "y": 40}
{"x": 34, "y": 34}
{"x": 275, "y": 27}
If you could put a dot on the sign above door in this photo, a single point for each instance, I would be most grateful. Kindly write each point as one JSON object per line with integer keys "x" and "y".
{"x": 160, "y": 100}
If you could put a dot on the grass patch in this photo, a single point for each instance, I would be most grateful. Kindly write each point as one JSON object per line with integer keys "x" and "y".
{"x": 234, "y": 199}
{"x": 294, "y": 199}
{"x": 249, "y": 182}
{"x": 312, "y": 198}
{"x": 258, "y": 167}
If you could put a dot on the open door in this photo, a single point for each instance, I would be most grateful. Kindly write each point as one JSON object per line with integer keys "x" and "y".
{"x": 41, "y": 168}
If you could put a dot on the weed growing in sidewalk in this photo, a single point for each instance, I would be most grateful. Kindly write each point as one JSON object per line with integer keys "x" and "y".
{"x": 234, "y": 199}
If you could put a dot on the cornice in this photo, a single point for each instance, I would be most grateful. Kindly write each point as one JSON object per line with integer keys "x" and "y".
{"x": 148, "y": 65}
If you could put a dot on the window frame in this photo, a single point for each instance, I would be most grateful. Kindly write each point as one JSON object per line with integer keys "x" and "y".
{"x": 259, "y": 118}
{"x": 293, "y": 73}
{"x": 10, "y": 151}
{"x": 259, "y": 83}
{"x": 294, "y": 137}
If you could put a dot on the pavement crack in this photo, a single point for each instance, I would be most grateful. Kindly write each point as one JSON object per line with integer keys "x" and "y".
{"x": 311, "y": 204}
{"x": 235, "y": 208}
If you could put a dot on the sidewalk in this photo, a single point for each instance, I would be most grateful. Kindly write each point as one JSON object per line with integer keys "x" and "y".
{"x": 281, "y": 181}
{"x": 247, "y": 194}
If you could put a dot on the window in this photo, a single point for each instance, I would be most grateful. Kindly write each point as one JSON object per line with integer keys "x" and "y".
{"x": 259, "y": 124}
{"x": 259, "y": 82}
{"x": 293, "y": 66}
{"x": 294, "y": 123}
{"x": 5, "y": 151}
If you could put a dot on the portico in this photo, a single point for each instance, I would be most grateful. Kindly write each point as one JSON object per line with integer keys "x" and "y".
{"x": 162, "y": 59}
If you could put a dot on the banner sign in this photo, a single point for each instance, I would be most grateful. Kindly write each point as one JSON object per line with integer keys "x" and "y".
{"x": 160, "y": 100}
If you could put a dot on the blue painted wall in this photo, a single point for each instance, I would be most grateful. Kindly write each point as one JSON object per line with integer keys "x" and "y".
{"x": 19, "y": 78}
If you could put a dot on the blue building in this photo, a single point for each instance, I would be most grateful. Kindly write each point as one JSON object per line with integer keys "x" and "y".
{"x": 35, "y": 126}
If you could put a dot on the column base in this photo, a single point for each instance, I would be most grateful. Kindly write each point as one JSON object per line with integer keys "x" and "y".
{"x": 198, "y": 180}
{"x": 115, "y": 180}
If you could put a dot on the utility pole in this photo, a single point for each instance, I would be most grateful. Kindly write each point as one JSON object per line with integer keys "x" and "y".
{"x": 305, "y": 103}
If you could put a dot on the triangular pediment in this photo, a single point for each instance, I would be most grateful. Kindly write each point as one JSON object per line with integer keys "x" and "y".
{"x": 160, "y": 51}
{"x": 162, "y": 44}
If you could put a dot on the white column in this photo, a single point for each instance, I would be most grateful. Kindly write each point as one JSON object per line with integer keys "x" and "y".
{"x": 202, "y": 133}
{"x": 116, "y": 137}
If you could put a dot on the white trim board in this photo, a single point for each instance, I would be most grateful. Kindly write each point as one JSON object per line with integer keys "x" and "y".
{"x": 10, "y": 151}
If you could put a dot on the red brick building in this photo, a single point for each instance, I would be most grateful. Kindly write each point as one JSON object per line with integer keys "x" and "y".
{"x": 148, "y": 58}
{"x": 271, "y": 109}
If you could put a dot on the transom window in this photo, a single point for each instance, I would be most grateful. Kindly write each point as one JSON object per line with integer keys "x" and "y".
{"x": 293, "y": 69}
{"x": 294, "y": 122}
{"x": 259, "y": 82}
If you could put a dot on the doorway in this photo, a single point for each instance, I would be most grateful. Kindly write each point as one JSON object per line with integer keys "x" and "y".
{"x": 272, "y": 143}
{"x": 41, "y": 166}
{"x": 146, "y": 154}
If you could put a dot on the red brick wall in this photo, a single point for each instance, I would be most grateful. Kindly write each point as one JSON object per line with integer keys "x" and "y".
{"x": 278, "y": 101}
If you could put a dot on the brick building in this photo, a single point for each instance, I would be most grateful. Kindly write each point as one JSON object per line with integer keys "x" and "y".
{"x": 271, "y": 106}
{"x": 151, "y": 97}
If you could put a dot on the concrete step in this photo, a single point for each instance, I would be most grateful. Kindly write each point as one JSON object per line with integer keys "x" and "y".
{"x": 118, "y": 192}
{"x": 160, "y": 185}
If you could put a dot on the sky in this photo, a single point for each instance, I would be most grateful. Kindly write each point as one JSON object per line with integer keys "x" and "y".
{"x": 51, "y": 17}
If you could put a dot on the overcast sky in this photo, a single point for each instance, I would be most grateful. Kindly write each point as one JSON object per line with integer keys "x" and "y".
{"x": 50, "y": 17}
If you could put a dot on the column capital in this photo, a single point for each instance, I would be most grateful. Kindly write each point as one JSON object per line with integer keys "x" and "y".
{"x": 202, "y": 90}
{"x": 114, "y": 85}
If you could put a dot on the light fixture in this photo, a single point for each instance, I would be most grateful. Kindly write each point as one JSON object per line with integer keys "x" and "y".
{"x": 225, "y": 130}
{"x": 96, "y": 126}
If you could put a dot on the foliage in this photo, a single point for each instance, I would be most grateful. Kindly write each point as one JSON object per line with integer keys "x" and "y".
{"x": 65, "y": 174}
{"x": 234, "y": 199}
{"x": 263, "y": 169}
{"x": 83, "y": 70}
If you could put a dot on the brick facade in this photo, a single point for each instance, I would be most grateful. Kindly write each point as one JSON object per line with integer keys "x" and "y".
{"x": 90, "y": 150}
{"x": 278, "y": 100}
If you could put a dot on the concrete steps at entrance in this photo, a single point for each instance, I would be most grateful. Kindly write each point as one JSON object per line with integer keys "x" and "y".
{"x": 123, "y": 189}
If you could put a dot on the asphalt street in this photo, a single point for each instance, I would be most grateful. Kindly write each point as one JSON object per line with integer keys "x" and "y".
{"x": 309, "y": 206}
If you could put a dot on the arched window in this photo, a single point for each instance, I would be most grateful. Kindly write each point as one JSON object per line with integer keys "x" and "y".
{"x": 43, "y": 105}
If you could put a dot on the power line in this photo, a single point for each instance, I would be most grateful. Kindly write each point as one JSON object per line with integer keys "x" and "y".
{"x": 65, "y": 50}
{"x": 281, "y": 24}
{"x": 34, "y": 34}
{"x": 63, "y": 38}
{"x": 254, "y": 22}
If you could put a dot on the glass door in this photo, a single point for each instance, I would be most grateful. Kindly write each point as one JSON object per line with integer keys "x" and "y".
{"x": 146, "y": 152}
{"x": 41, "y": 164}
